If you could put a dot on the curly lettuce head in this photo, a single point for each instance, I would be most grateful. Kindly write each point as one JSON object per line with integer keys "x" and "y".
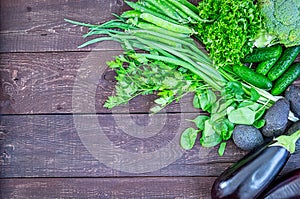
{"x": 282, "y": 20}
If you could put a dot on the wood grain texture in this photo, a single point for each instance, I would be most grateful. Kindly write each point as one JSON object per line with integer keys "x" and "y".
{"x": 36, "y": 83}
{"x": 31, "y": 26}
{"x": 56, "y": 148}
{"x": 33, "y": 83}
{"x": 105, "y": 188}
{"x": 51, "y": 146}
{"x": 39, "y": 26}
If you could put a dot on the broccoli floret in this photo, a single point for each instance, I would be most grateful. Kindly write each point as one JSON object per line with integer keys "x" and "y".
{"x": 282, "y": 20}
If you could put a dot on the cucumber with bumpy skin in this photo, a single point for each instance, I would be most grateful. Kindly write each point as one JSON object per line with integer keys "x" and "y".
{"x": 287, "y": 58}
{"x": 252, "y": 77}
{"x": 286, "y": 79}
{"x": 263, "y": 54}
{"x": 265, "y": 66}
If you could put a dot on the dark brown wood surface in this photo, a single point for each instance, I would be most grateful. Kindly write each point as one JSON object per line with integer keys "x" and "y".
{"x": 51, "y": 106}
{"x": 106, "y": 188}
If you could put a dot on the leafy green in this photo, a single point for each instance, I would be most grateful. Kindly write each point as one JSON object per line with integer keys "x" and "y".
{"x": 188, "y": 138}
{"x": 235, "y": 90}
{"x": 242, "y": 115}
{"x": 282, "y": 20}
{"x": 209, "y": 136}
{"x": 247, "y": 112}
{"x": 222, "y": 148}
{"x": 200, "y": 121}
{"x": 254, "y": 95}
{"x": 259, "y": 123}
{"x": 204, "y": 100}
{"x": 140, "y": 76}
{"x": 230, "y": 36}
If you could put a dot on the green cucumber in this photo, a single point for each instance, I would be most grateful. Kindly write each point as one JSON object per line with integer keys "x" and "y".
{"x": 265, "y": 66}
{"x": 286, "y": 79}
{"x": 256, "y": 79}
{"x": 287, "y": 58}
{"x": 263, "y": 54}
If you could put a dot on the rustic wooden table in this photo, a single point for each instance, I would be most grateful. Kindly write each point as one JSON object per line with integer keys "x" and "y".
{"x": 57, "y": 140}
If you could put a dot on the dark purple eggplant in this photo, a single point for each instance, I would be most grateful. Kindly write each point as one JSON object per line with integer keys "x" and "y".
{"x": 287, "y": 187}
{"x": 251, "y": 175}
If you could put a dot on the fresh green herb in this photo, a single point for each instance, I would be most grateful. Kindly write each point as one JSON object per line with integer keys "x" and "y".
{"x": 136, "y": 75}
{"x": 229, "y": 37}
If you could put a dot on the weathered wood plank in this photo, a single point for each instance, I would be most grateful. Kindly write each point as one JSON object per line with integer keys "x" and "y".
{"x": 106, "y": 145}
{"x": 162, "y": 187}
{"x": 48, "y": 82}
{"x": 51, "y": 146}
{"x": 35, "y": 26}
{"x": 33, "y": 83}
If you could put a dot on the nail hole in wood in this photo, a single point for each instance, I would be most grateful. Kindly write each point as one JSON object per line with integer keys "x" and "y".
{"x": 29, "y": 9}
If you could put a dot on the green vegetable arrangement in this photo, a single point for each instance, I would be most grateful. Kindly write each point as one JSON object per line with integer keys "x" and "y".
{"x": 161, "y": 57}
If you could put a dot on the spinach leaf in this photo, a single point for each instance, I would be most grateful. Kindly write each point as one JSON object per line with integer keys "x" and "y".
{"x": 188, "y": 138}
{"x": 242, "y": 115}
{"x": 221, "y": 149}
{"x": 200, "y": 120}
{"x": 209, "y": 136}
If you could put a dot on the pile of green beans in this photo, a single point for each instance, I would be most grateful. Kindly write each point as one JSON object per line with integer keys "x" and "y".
{"x": 165, "y": 26}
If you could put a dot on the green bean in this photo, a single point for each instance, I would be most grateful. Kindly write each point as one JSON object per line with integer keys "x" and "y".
{"x": 144, "y": 9}
{"x": 188, "y": 43}
{"x": 96, "y": 40}
{"x": 139, "y": 45}
{"x": 80, "y": 23}
{"x": 102, "y": 32}
{"x": 167, "y": 10}
{"x": 165, "y": 24}
{"x": 152, "y": 7}
{"x": 161, "y": 51}
{"x": 151, "y": 27}
{"x": 154, "y": 38}
{"x": 118, "y": 25}
{"x": 186, "y": 10}
{"x": 131, "y": 14}
{"x": 211, "y": 73}
{"x": 189, "y": 5}
{"x": 184, "y": 17}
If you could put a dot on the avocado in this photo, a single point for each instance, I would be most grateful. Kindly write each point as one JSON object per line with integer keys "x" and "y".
{"x": 292, "y": 94}
{"x": 295, "y": 127}
{"x": 247, "y": 137}
{"x": 276, "y": 118}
